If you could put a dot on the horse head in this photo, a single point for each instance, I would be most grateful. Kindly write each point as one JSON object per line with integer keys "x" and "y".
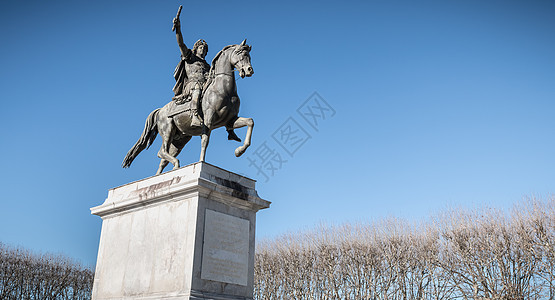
{"x": 241, "y": 59}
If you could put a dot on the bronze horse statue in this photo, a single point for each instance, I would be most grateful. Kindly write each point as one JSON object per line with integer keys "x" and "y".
{"x": 220, "y": 107}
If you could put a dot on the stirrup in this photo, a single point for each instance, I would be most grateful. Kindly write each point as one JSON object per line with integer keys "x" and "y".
{"x": 197, "y": 115}
{"x": 196, "y": 120}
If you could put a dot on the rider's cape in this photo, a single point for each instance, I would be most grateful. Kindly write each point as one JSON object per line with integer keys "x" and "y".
{"x": 180, "y": 76}
{"x": 181, "y": 79}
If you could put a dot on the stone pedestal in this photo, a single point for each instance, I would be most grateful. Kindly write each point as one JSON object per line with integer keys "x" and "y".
{"x": 184, "y": 234}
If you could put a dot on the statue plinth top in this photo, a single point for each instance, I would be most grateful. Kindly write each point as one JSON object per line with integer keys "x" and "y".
{"x": 197, "y": 179}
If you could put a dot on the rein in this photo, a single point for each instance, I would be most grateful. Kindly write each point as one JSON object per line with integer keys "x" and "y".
{"x": 230, "y": 73}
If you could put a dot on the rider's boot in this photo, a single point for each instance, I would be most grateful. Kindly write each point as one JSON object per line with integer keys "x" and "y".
{"x": 232, "y": 136}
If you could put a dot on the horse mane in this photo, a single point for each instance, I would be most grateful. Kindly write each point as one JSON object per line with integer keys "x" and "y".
{"x": 215, "y": 59}
{"x": 213, "y": 67}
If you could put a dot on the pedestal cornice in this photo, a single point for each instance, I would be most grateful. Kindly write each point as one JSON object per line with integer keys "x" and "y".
{"x": 198, "y": 179}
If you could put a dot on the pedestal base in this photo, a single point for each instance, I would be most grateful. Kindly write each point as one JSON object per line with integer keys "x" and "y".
{"x": 184, "y": 234}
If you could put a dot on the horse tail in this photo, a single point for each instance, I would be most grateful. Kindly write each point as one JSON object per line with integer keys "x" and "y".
{"x": 147, "y": 138}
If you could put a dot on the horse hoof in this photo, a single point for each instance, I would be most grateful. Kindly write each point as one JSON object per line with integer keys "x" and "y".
{"x": 239, "y": 152}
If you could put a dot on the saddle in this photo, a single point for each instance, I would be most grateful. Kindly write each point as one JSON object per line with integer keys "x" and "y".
{"x": 179, "y": 105}
{"x": 181, "y": 99}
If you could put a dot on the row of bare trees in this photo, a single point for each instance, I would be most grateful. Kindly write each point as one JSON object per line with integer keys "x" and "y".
{"x": 26, "y": 275}
{"x": 486, "y": 254}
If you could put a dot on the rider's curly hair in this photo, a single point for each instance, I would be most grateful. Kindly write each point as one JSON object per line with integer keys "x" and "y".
{"x": 198, "y": 43}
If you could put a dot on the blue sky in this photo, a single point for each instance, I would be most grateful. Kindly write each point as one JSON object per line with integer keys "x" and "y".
{"x": 436, "y": 104}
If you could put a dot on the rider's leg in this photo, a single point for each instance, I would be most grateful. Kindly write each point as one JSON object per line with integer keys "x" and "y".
{"x": 231, "y": 135}
{"x": 230, "y": 130}
{"x": 196, "y": 121}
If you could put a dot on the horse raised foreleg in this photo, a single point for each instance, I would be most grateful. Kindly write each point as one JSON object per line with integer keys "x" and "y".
{"x": 242, "y": 122}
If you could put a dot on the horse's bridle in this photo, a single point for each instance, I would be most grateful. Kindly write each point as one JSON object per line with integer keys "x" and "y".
{"x": 230, "y": 73}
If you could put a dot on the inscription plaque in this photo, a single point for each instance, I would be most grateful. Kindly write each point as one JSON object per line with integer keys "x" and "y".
{"x": 225, "y": 254}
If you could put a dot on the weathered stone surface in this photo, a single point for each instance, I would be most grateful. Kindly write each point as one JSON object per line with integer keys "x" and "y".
{"x": 162, "y": 237}
{"x": 226, "y": 248}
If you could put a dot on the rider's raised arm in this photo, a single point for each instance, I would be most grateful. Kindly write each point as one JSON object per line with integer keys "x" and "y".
{"x": 185, "y": 52}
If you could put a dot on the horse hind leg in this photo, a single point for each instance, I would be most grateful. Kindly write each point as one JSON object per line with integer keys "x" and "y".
{"x": 167, "y": 131}
{"x": 175, "y": 148}
{"x": 165, "y": 156}
{"x": 163, "y": 164}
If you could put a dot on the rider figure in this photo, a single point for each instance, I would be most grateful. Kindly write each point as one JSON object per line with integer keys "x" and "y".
{"x": 190, "y": 74}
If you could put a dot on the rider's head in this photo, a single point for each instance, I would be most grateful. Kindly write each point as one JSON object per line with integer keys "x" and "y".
{"x": 200, "y": 48}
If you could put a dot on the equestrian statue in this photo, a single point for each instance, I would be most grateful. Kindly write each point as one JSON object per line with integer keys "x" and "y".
{"x": 205, "y": 99}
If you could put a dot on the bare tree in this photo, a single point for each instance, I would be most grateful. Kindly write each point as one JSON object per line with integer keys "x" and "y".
{"x": 25, "y": 275}
{"x": 486, "y": 254}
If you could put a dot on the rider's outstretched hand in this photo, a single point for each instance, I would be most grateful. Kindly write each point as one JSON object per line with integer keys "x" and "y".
{"x": 176, "y": 23}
